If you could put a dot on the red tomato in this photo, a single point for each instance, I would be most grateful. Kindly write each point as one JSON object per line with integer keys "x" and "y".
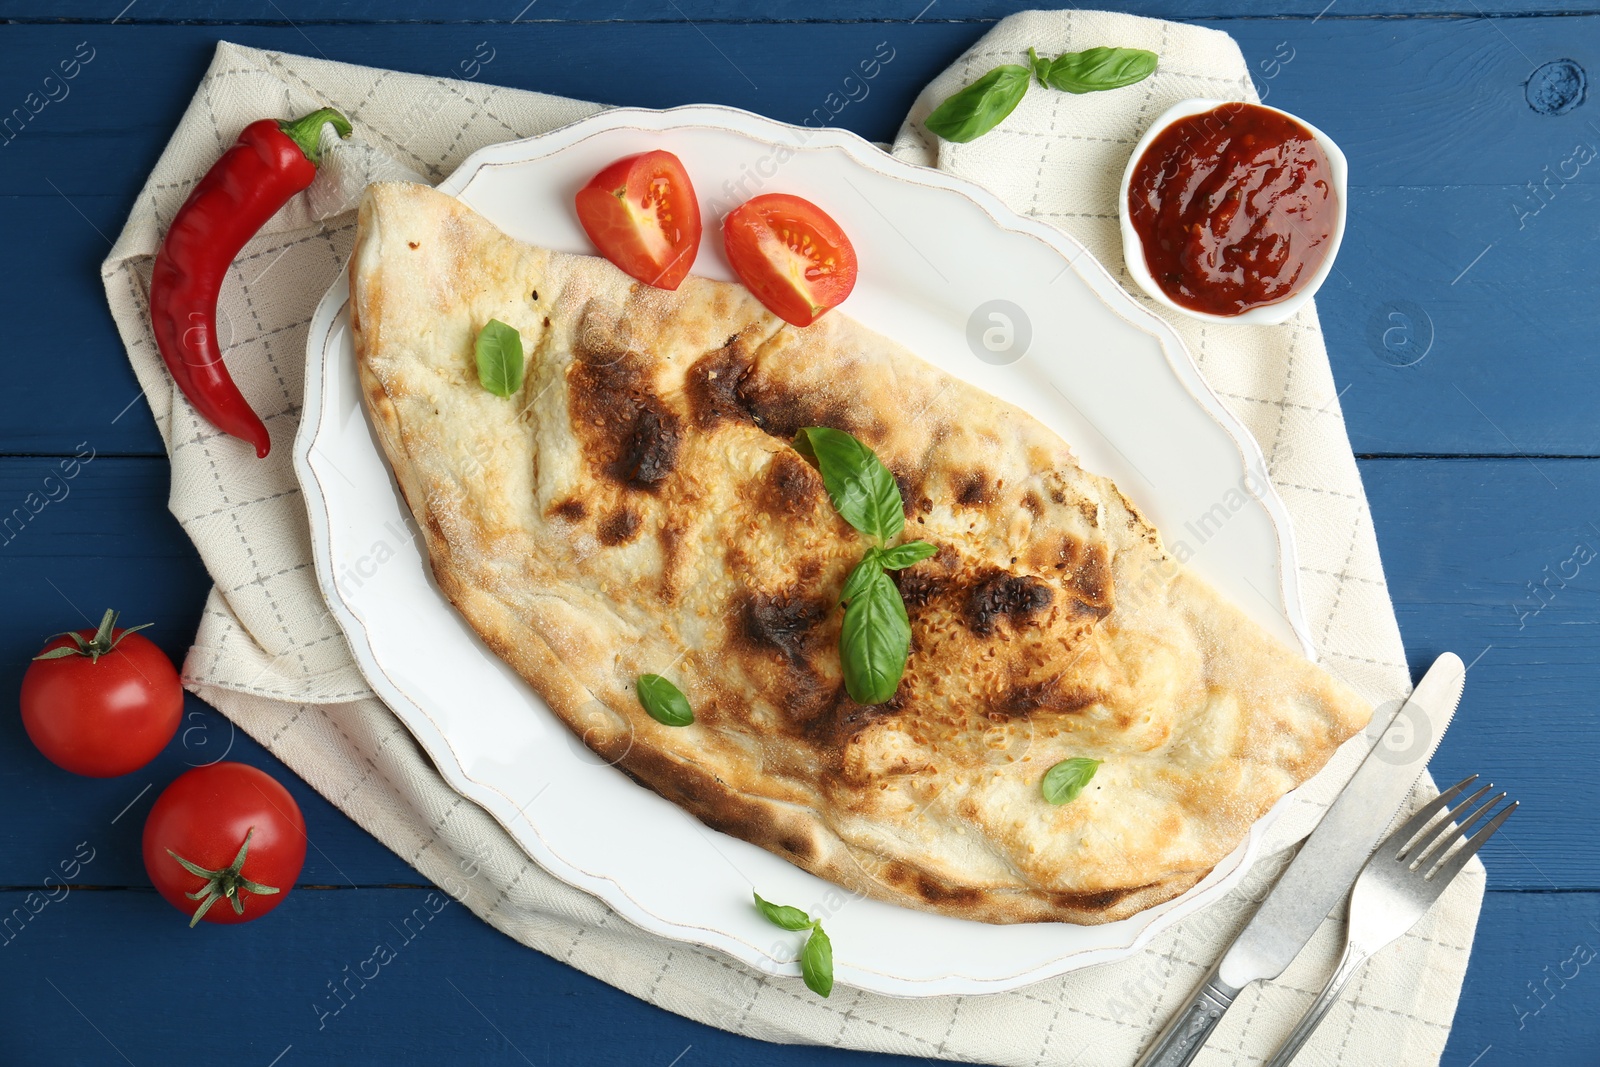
{"x": 641, "y": 213}
{"x": 101, "y": 702}
{"x": 791, "y": 255}
{"x": 225, "y": 843}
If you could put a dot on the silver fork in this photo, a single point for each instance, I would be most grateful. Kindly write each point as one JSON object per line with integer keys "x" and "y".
{"x": 1399, "y": 884}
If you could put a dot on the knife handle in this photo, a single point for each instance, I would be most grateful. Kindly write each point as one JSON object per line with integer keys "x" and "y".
{"x": 1181, "y": 1040}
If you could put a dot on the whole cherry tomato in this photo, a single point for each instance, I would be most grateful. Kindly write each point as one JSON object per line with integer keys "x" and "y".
{"x": 224, "y": 843}
{"x": 101, "y": 702}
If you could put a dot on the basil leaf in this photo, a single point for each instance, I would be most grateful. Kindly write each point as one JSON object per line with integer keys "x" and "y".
{"x": 981, "y": 106}
{"x": 816, "y": 963}
{"x": 499, "y": 352}
{"x": 1096, "y": 69}
{"x": 1066, "y": 779}
{"x": 1040, "y": 67}
{"x": 870, "y": 566}
{"x": 783, "y": 915}
{"x": 900, "y": 557}
{"x": 862, "y": 490}
{"x": 874, "y": 641}
{"x": 664, "y": 701}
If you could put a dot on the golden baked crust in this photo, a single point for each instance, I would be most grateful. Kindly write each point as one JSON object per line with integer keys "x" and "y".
{"x": 637, "y": 508}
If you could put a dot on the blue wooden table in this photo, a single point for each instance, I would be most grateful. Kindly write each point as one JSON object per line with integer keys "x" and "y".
{"x": 1462, "y": 326}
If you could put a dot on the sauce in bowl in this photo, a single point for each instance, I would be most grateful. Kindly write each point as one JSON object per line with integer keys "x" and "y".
{"x": 1235, "y": 208}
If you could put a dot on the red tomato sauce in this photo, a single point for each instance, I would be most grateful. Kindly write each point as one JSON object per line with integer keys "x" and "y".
{"x": 1235, "y": 208}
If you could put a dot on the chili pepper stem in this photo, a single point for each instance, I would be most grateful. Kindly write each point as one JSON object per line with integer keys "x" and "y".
{"x": 307, "y": 131}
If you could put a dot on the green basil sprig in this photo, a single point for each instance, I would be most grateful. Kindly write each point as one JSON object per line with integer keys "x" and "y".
{"x": 1066, "y": 779}
{"x": 499, "y": 353}
{"x": 816, "y": 957}
{"x": 664, "y": 701}
{"x": 1093, "y": 70}
{"x": 860, "y": 486}
{"x": 983, "y": 105}
{"x": 876, "y": 637}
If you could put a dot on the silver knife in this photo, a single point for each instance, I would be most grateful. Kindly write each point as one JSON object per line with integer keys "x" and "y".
{"x": 1322, "y": 873}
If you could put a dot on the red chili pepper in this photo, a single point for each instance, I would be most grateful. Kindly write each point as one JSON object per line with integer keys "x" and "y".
{"x": 271, "y": 162}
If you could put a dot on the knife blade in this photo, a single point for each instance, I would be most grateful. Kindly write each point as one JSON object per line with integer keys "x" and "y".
{"x": 1322, "y": 872}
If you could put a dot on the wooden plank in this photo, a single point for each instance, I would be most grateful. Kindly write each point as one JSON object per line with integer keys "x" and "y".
{"x": 1532, "y": 993}
{"x": 315, "y": 12}
{"x": 1458, "y": 569}
{"x": 1499, "y": 561}
{"x": 1434, "y": 236}
{"x": 440, "y": 986}
{"x": 1414, "y": 102}
{"x": 70, "y": 381}
{"x": 95, "y": 974}
{"x": 1455, "y": 332}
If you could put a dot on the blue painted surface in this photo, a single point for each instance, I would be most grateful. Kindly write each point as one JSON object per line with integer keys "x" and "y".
{"x": 1470, "y": 387}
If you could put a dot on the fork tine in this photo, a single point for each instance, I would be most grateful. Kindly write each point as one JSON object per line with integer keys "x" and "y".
{"x": 1463, "y": 823}
{"x": 1445, "y": 871}
{"x": 1396, "y": 845}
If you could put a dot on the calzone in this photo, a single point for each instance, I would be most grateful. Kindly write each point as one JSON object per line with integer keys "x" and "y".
{"x": 638, "y": 507}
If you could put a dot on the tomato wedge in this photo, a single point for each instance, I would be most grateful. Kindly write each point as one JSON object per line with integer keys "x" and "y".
{"x": 642, "y": 214}
{"x": 791, "y": 255}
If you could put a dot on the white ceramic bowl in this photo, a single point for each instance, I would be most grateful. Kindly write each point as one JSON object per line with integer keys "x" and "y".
{"x": 1266, "y": 314}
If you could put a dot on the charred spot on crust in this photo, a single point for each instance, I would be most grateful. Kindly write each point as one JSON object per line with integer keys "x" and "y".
{"x": 918, "y": 587}
{"x": 725, "y": 385}
{"x": 783, "y": 413}
{"x": 973, "y": 490}
{"x": 912, "y": 485}
{"x": 715, "y": 385}
{"x": 1100, "y": 901}
{"x": 781, "y": 622}
{"x": 844, "y": 718}
{"x": 919, "y": 883}
{"x": 937, "y": 892}
{"x": 412, "y": 245}
{"x": 1016, "y": 597}
{"x": 1032, "y": 503}
{"x": 792, "y": 486}
{"x": 619, "y": 526}
{"x": 1091, "y": 580}
{"x": 798, "y": 846}
{"x": 651, "y": 449}
{"x": 1021, "y": 701}
{"x": 571, "y": 509}
{"x": 628, "y": 430}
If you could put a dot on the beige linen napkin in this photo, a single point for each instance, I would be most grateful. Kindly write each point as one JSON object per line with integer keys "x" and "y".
{"x": 271, "y": 658}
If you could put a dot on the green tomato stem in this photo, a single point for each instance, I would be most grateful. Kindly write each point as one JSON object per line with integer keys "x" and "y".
{"x": 223, "y": 883}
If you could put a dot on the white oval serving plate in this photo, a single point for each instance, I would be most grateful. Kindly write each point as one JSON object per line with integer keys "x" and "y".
{"x": 936, "y": 254}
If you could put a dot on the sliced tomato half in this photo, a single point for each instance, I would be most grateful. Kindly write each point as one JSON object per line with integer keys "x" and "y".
{"x": 642, "y": 214}
{"x": 791, "y": 255}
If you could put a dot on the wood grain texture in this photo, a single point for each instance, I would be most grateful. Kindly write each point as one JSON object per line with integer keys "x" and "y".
{"x": 1441, "y": 233}
{"x": 1459, "y": 573}
{"x": 491, "y": 12}
{"x": 98, "y": 977}
{"x": 1439, "y": 263}
{"x": 449, "y": 990}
